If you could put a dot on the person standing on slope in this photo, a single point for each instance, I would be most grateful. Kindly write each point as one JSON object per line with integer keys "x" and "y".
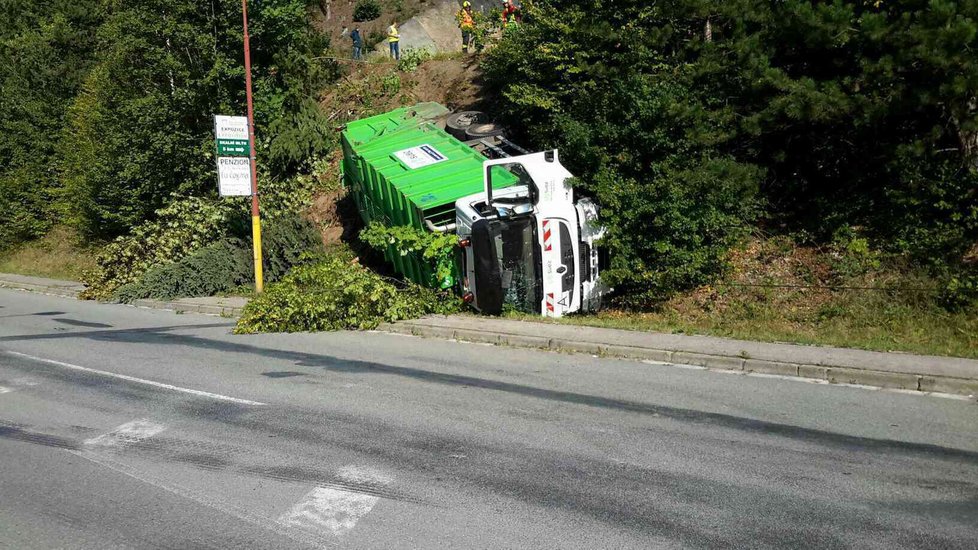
{"x": 467, "y": 24}
{"x": 394, "y": 38}
{"x": 357, "y": 44}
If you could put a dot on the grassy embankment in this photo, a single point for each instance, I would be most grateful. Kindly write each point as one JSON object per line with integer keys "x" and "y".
{"x": 778, "y": 292}
{"x": 57, "y": 255}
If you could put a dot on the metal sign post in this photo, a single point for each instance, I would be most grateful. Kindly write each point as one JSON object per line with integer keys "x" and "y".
{"x": 255, "y": 219}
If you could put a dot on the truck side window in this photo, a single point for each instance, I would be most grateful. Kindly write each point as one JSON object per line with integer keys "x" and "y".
{"x": 567, "y": 258}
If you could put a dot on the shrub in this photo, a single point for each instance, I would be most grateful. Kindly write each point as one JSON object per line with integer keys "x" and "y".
{"x": 189, "y": 224}
{"x": 413, "y": 58}
{"x": 437, "y": 249}
{"x": 286, "y": 242}
{"x": 366, "y": 10}
{"x": 336, "y": 294}
{"x": 227, "y": 264}
{"x": 183, "y": 227}
{"x": 218, "y": 267}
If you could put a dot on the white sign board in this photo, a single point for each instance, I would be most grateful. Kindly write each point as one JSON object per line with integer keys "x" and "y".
{"x": 420, "y": 156}
{"x": 234, "y": 176}
{"x": 231, "y": 127}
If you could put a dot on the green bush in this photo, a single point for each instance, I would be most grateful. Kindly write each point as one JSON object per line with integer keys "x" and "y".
{"x": 218, "y": 267}
{"x": 336, "y": 294}
{"x": 189, "y": 224}
{"x": 227, "y": 264}
{"x": 437, "y": 249}
{"x": 179, "y": 229}
{"x": 366, "y": 10}
{"x": 825, "y": 114}
{"x": 413, "y": 58}
{"x": 286, "y": 242}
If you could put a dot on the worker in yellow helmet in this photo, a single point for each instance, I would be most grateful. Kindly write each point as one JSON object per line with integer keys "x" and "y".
{"x": 467, "y": 25}
{"x": 394, "y": 38}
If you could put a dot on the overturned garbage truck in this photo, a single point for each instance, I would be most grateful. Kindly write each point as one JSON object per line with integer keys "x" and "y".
{"x": 525, "y": 244}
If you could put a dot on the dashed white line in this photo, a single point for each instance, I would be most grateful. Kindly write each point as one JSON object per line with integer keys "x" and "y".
{"x": 138, "y": 380}
{"x": 126, "y": 434}
{"x": 335, "y": 511}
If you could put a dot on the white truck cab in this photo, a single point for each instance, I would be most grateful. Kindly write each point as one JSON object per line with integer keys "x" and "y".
{"x": 530, "y": 247}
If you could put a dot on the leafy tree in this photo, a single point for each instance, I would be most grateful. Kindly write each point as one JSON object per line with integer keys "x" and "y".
{"x": 683, "y": 116}
{"x": 602, "y": 81}
{"x": 142, "y": 128}
{"x": 45, "y": 51}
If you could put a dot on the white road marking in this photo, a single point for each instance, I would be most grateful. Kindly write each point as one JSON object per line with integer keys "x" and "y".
{"x": 128, "y": 433}
{"x": 167, "y": 483}
{"x": 138, "y": 380}
{"x": 5, "y": 390}
{"x": 336, "y": 511}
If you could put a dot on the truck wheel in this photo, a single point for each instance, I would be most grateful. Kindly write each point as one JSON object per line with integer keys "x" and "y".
{"x": 490, "y": 129}
{"x": 458, "y": 123}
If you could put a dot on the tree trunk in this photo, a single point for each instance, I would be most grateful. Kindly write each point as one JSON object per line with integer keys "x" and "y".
{"x": 969, "y": 138}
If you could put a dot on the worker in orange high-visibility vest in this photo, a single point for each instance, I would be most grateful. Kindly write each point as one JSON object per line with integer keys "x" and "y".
{"x": 467, "y": 25}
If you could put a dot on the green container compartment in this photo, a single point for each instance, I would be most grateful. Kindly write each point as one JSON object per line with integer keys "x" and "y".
{"x": 433, "y": 171}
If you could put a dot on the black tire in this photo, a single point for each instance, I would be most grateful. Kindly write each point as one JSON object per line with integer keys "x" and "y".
{"x": 483, "y": 130}
{"x": 458, "y": 123}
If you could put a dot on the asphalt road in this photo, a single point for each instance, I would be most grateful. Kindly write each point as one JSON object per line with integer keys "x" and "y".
{"x": 131, "y": 428}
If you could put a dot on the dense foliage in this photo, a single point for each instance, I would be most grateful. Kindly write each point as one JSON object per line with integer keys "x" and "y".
{"x": 177, "y": 230}
{"x": 142, "y": 128}
{"x": 690, "y": 117}
{"x": 227, "y": 264}
{"x": 335, "y": 294}
{"x": 45, "y": 53}
{"x": 434, "y": 249}
{"x": 216, "y": 268}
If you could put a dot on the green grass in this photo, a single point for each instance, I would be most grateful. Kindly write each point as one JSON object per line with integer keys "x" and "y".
{"x": 57, "y": 255}
{"x": 860, "y": 300}
{"x": 929, "y": 333}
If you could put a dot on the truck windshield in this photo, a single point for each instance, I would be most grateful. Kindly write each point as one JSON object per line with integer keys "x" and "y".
{"x": 515, "y": 242}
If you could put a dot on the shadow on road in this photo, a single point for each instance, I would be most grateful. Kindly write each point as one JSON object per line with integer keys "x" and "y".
{"x": 165, "y": 335}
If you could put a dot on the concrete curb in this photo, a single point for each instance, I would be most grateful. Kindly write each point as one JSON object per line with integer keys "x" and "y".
{"x": 68, "y": 289}
{"x": 52, "y": 290}
{"x": 843, "y": 374}
{"x": 924, "y": 382}
{"x": 179, "y": 306}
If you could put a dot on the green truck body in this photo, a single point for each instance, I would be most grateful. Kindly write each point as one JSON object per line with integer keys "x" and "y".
{"x": 402, "y": 169}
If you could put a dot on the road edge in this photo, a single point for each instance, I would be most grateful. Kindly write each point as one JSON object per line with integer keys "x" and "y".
{"x": 841, "y": 374}
{"x": 849, "y": 375}
{"x": 69, "y": 289}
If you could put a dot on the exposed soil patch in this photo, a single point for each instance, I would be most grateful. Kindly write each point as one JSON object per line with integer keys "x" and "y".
{"x": 370, "y": 88}
{"x": 333, "y": 16}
